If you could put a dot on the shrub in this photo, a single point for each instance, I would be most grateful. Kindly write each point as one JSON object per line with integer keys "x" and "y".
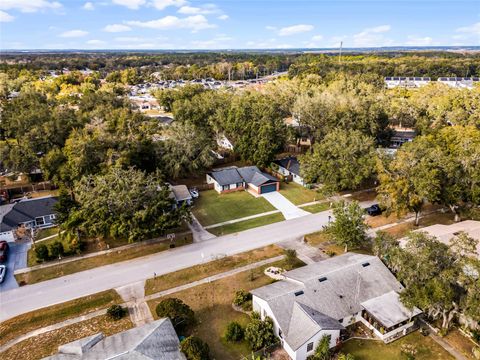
{"x": 179, "y": 313}
{"x": 322, "y": 351}
{"x": 116, "y": 312}
{"x": 247, "y": 306}
{"x": 234, "y": 332}
{"x": 241, "y": 296}
{"x": 258, "y": 333}
{"x": 195, "y": 349}
{"x": 56, "y": 249}
{"x": 41, "y": 252}
{"x": 290, "y": 258}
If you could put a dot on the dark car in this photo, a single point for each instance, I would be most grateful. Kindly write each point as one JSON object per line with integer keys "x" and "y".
{"x": 374, "y": 210}
{"x": 3, "y": 251}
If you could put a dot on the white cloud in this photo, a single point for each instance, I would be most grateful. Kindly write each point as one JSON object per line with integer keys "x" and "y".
{"x": 162, "y": 4}
{"x": 419, "y": 41}
{"x": 29, "y": 6}
{"x": 6, "y": 17}
{"x": 223, "y": 17}
{"x": 269, "y": 27}
{"x": 468, "y": 34}
{"x": 88, "y": 6}
{"x": 372, "y": 37}
{"x": 194, "y": 23}
{"x": 130, "y": 39}
{"x": 295, "y": 29}
{"x": 73, "y": 33}
{"x": 472, "y": 29}
{"x": 131, "y": 4}
{"x": 317, "y": 38}
{"x": 115, "y": 28}
{"x": 314, "y": 42}
{"x": 96, "y": 42}
{"x": 217, "y": 42}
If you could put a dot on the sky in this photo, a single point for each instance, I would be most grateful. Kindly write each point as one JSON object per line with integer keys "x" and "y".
{"x": 236, "y": 24}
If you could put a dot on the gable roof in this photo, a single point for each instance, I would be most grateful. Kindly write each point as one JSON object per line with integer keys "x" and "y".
{"x": 332, "y": 289}
{"x": 290, "y": 163}
{"x": 249, "y": 174}
{"x": 156, "y": 340}
{"x": 181, "y": 193}
{"x": 27, "y": 210}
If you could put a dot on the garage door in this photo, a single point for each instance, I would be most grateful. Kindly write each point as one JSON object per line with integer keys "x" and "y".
{"x": 268, "y": 188}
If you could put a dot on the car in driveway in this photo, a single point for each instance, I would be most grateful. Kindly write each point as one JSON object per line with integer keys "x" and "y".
{"x": 3, "y": 271}
{"x": 374, "y": 210}
{"x": 3, "y": 251}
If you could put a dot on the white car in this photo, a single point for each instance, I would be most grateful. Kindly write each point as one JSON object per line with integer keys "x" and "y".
{"x": 194, "y": 193}
{"x": 3, "y": 271}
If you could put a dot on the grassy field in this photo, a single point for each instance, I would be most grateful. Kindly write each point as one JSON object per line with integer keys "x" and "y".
{"x": 12, "y": 328}
{"x": 460, "y": 342}
{"x": 298, "y": 194}
{"x": 247, "y": 224}
{"x": 198, "y": 272}
{"x": 43, "y": 233}
{"x": 401, "y": 230}
{"x": 47, "y": 344}
{"x": 213, "y": 310}
{"x": 212, "y": 208}
{"x": 316, "y": 208}
{"x": 96, "y": 261}
{"x": 427, "y": 349}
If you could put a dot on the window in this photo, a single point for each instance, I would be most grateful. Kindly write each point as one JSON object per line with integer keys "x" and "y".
{"x": 239, "y": 184}
{"x": 366, "y": 264}
{"x": 52, "y": 217}
{"x": 309, "y": 347}
{"x": 322, "y": 279}
{"x": 298, "y": 293}
{"x": 39, "y": 221}
{"x": 226, "y": 187}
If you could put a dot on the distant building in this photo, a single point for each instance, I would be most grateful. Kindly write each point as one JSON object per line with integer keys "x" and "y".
{"x": 406, "y": 82}
{"x": 30, "y": 213}
{"x": 401, "y": 136}
{"x": 249, "y": 177}
{"x": 180, "y": 194}
{"x": 326, "y": 297}
{"x": 459, "y": 82}
{"x": 224, "y": 143}
{"x": 157, "y": 340}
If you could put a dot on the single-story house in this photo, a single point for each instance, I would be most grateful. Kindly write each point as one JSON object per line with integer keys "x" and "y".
{"x": 234, "y": 179}
{"x": 181, "y": 194}
{"x": 290, "y": 168}
{"x": 156, "y": 340}
{"x": 29, "y": 213}
{"x": 325, "y": 297}
{"x": 224, "y": 143}
{"x": 401, "y": 136}
{"x": 446, "y": 233}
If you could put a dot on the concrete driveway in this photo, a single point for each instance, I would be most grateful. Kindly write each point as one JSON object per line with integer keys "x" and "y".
{"x": 287, "y": 208}
{"x": 17, "y": 259}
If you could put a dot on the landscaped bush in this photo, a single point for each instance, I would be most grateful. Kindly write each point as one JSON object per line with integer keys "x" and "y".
{"x": 195, "y": 348}
{"x": 258, "y": 333}
{"x": 116, "y": 312}
{"x": 41, "y": 251}
{"x": 247, "y": 305}
{"x": 290, "y": 258}
{"x": 241, "y": 296}
{"x": 56, "y": 249}
{"x": 179, "y": 313}
{"x": 234, "y": 332}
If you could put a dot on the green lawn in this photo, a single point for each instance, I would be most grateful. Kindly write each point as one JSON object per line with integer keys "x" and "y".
{"x": 427, "y": 349}
{"x": 43, "y": 233}
{"x": 298, "y": 194}
{"x": 316, "y": 208}
{"x": 247, "y": 224}
{"x": 14, "y": 327}
{"x": 212, "y": 208}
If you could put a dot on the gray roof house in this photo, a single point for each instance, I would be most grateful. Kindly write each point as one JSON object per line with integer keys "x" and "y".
{"x": 157, "y": 340}
{"x": 234, "y": 179}
{"x": 290, "y": 168}
{"x": 180, "y": 194}
{"x": 325, "y": 297}
{"x": 37, "y": 213}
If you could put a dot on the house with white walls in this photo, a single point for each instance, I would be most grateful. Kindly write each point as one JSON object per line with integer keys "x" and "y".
{"x": 326, "y": 297}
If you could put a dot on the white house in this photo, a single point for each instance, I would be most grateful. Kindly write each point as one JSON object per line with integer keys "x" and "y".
{"x": 459, "y": 82}
{"x": 224, "y": 143}
{"x": 30, "y": 213}
{"x": 326, "y": 297}
{"x": 290, "y": 168}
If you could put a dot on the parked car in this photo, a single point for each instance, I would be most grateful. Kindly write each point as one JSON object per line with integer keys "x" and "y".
{"x": 374, "y": 210}
{"x": 194, "y": 193}
{"x": 3, "y": 251}
{"x": 3, "y": 272}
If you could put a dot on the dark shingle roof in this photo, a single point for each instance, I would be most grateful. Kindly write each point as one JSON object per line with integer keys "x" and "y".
{"x": 27, "y": 210}
{"x": 249, "y": 174}
{"x": 226, "y": 176}
{"x": 290, "y": 163}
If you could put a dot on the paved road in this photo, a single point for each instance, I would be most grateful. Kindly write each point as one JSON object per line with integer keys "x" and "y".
{"x": 27, "y": 298}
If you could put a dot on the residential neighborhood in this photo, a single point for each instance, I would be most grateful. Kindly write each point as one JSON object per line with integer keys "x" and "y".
{"x": 188, "y": 180}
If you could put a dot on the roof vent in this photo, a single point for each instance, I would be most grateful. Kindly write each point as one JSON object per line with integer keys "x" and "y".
{"x": 298, "y": 293}
{"x": 366, "y": 264}
{"x": 322, "y": 279}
